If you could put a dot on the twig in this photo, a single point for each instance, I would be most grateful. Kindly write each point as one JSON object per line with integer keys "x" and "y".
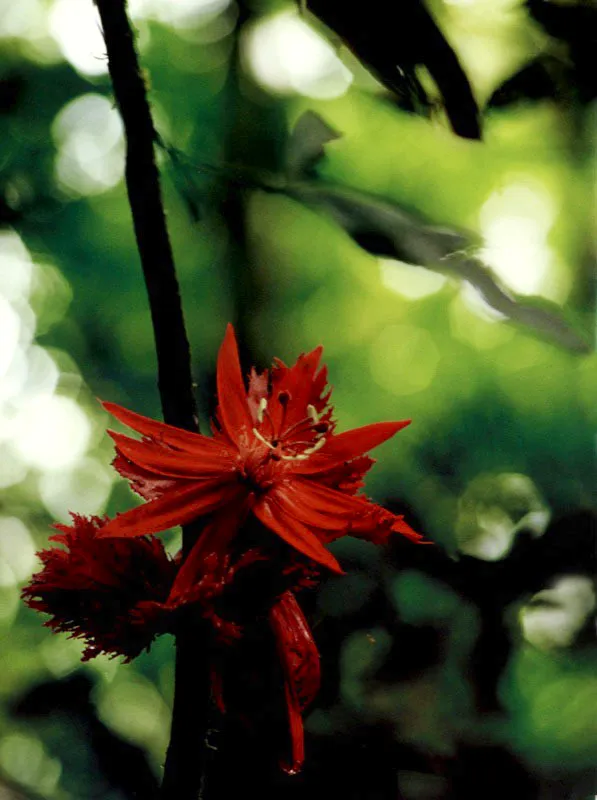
{"x": 183, "y": 768}
{"x": 382, "y": 228}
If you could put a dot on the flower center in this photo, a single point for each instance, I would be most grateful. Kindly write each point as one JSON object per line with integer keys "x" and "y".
{"x": 296, "y": 442}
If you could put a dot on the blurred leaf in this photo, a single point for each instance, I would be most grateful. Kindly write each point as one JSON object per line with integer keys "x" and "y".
{"x": 391, "y": 39}
{"x": 574, "y": 23}
{"x": 538, "y": 80}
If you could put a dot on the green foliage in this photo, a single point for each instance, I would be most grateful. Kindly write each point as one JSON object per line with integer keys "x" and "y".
{"x": 451, "y": 282}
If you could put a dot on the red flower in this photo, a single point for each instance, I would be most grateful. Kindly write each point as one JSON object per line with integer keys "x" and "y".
{"x": 274, "y": 455}
{"x": 101, "y": 590}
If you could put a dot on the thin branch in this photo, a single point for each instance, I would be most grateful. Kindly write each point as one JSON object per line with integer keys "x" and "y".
{"x": 183, "y": 768}
{"x": 382, "y": 228}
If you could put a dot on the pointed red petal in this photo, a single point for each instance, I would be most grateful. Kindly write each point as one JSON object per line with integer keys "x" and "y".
{"x": 300, "y": 664}
{"x": 172, "y": 463}
{"x": 176, "y": 507}
{"x": 335, "y": 513}
{"x": 147, "y": 484}
{"x": 161, "y": 432}
{"x": 301, "y": 385}
{"x": 297, "y": 734}
{"x": 294, "y": 533}
{"x": 232, "y": 395}
{"x": 400, "y": 526}
{"x": 214, "y": 538}
{"x": 350, "y": 444}
{"x": 297, "y": 499}
{"x": 378, "y": 524}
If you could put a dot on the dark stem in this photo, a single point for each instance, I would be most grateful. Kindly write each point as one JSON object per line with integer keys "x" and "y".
{"x": 183, "y": 769}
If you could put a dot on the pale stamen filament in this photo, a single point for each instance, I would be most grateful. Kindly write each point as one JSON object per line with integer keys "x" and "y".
{"x": 306, "y": 423}
{"x": 306, "y": 453}
{"x": 263, "y": 440}
{"x": 312, "y": 414}
{"x": 268, "y": 417}
{"x": 317, "y": 446}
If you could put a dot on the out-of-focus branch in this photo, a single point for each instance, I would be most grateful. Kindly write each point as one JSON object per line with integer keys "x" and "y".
{"x": 384, "y": 229}
{"x": 184, "y": 763}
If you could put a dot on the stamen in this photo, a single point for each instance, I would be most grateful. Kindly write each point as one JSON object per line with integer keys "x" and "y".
{"x": 262, "y": 440}
{"x": 306, "y": 453}
{"x": 268, "y": 417}
{"x": 317, "y": 446}
{"x": 312, "y": 414}
{"x": 284, "y": 400}
{"x": 305, "y": 421}
{"x": 261, "y": 409}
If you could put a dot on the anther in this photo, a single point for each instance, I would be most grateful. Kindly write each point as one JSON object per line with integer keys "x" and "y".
{"x": 261, "y": 410}
{"x": 312, "y": 414}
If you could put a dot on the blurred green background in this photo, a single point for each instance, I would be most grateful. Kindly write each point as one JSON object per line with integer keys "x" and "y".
{"x": 473, "y": 661}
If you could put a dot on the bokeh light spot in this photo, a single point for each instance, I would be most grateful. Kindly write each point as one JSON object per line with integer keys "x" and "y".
{"x": 85, "y": 488}
{"x": 408, "y": 280}
{"x": 89, "y": 135}
{"x": 10, "y": 328}
{"x": 287, "y": 56}
{"x": 17, "y": 551}
{"x": 554, "y": 616}
{"x": 76, "y": 27}
{"x": 15, "y": 266}
{"x": 51, "y": 432}
{"x": 404, "y": 359}
{"x": 181, "y": 14}
{"x": 515, "y": 222}
{"x": 493, "y": 509}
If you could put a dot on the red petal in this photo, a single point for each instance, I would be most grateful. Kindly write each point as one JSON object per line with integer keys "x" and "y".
{"x": 335, "y": 513}
{"x": 161, "y": 432}
{"x": 176, "y": 507}
{"x": 214, "y": 538}
{"x": 232, "y": 395}
{"x": 294, "y": 533}
{"x": 147, "y": 484}
{"x": 301, "y": 385}
{"x": 378, "y": 524}
{"x": 172, "y": 463}
{"x": 297, "y": 499}
{"x": 300, "y": 664}
{"x": 350, "y": 444}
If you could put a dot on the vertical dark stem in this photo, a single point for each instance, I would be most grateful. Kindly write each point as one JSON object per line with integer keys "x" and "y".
{"x": 143, "y": 186}
{"x": 185, "y": 758}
